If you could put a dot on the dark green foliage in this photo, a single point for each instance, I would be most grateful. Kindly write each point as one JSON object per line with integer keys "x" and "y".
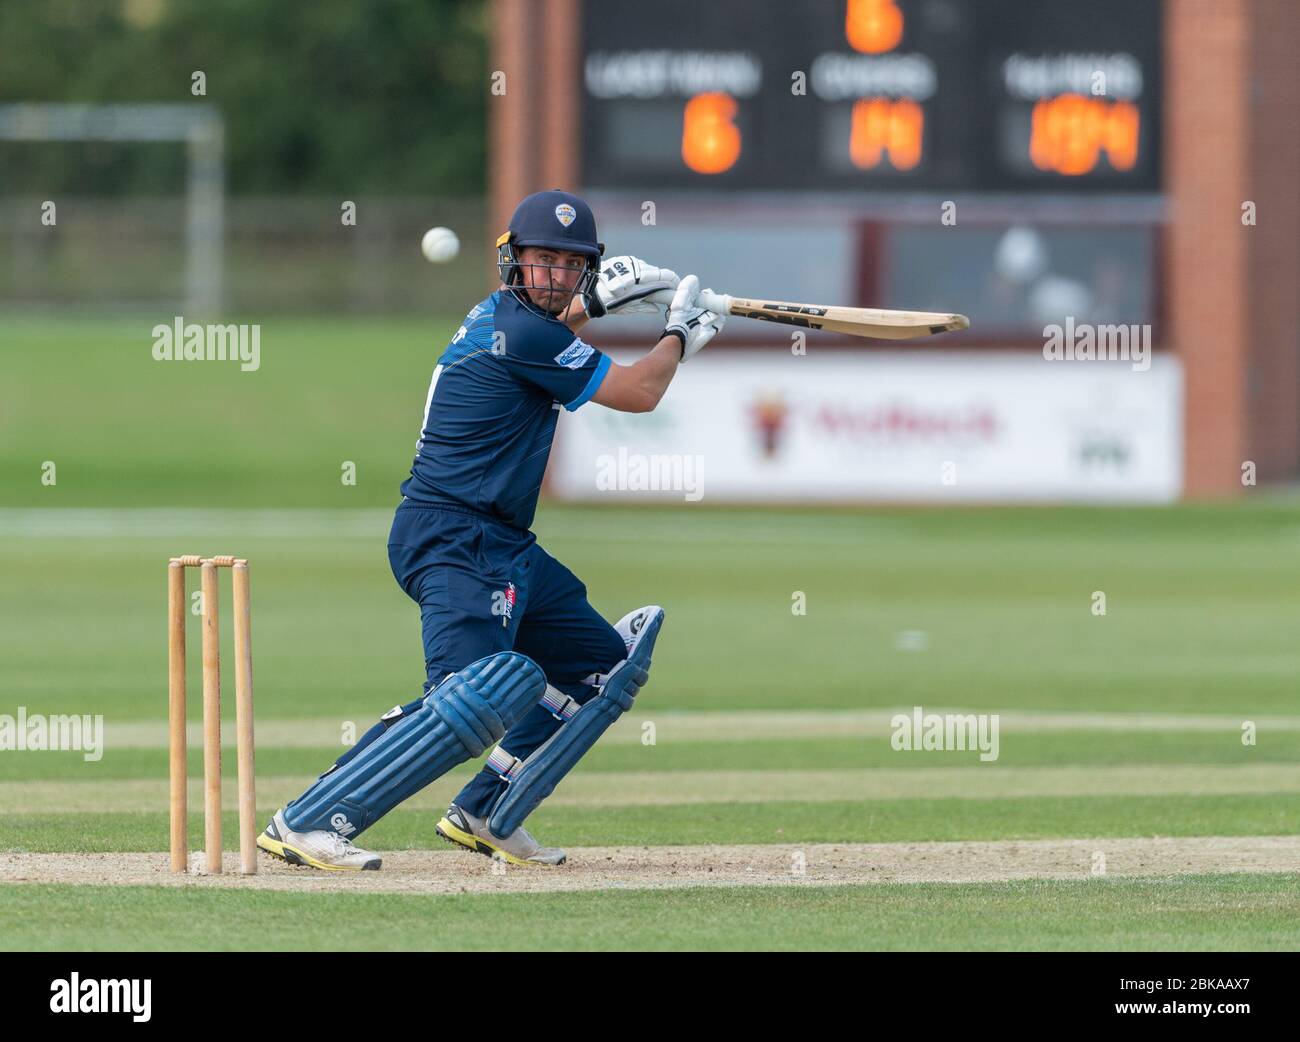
{"x": 332, "y": 96}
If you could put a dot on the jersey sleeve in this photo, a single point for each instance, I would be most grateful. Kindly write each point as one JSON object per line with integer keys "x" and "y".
{"x": 549, "y": 356}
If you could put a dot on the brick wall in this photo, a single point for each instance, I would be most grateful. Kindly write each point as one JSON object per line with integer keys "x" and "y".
{"x": 1231, "y": 118}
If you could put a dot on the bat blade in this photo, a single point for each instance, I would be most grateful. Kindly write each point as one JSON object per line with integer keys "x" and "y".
{"x": 877, "y": 323}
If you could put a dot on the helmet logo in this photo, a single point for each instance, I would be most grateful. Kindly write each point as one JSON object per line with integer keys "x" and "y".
{"x": 565, "y": 214}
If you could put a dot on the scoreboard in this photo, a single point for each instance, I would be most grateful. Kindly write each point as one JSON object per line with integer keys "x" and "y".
{"x": 902, "y": 95}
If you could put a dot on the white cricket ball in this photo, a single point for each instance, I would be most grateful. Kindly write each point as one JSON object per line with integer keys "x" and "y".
{"x": 440, "y": 245}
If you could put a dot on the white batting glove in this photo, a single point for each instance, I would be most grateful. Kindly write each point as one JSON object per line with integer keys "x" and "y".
{"x": 695, "y": 325}
{"x": 662, "y": 299}
{"x": 625, "y": 286}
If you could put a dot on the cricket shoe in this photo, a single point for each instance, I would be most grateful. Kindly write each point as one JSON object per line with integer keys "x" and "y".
{"x": 315, "y": 849}
{"x": 520, "y": 848}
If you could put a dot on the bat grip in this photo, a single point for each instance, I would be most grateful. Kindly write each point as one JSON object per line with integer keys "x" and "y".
{"x": 720, "y": 303}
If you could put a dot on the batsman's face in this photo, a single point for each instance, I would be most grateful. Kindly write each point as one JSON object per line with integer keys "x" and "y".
{"x": 551, "y": 276}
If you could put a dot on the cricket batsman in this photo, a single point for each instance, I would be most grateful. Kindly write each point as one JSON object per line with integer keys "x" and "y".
{"x": 514, "y": 654}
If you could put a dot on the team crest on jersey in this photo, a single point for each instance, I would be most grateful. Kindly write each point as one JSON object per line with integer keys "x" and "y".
{"x": 565, "y": 214}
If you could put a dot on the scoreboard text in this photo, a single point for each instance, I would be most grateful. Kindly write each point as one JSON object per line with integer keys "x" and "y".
{"x": 979, "y": 95}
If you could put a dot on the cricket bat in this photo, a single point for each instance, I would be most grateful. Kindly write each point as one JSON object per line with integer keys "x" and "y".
{"x": 866, "y": 322}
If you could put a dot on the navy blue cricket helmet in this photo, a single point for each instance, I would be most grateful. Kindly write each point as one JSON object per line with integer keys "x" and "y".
{"x": 558, "y": 219}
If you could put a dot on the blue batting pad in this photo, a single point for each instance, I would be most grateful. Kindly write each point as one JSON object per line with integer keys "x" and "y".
{"x": 460, "y": 718}
{"x": 555, "y": 757}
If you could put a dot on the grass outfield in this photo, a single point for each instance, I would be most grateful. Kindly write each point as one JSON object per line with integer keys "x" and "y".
{"x": 770, "y": 728}
{"x": 1194, "y": 913}
{"x": 125, "y": 429}
{"x": 1198, "y": 620}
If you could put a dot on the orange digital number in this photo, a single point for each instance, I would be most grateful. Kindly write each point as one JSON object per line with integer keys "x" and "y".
{"x": 883, "y": 127}
{"x": 873, "y": 26}
{"x": 1069, "y": 133}
{"x": 710, "y": 138}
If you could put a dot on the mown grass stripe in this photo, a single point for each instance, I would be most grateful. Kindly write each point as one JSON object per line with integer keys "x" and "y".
{"x": 1058, "y": 749}
{"x": 652, "y": 788}
{"x": 742, "y": 726}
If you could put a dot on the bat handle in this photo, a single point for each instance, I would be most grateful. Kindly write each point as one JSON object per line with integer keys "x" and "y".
{"x": 716, "y": 302}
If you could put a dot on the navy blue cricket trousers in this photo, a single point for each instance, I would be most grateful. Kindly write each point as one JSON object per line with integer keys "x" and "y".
{"x": 484, "y": 587}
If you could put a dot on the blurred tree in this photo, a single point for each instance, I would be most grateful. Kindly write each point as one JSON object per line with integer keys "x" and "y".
{"x": 338, "y": 97}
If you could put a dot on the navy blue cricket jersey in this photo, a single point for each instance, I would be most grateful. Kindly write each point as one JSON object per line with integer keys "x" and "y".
{"x": 493, "y": 402}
